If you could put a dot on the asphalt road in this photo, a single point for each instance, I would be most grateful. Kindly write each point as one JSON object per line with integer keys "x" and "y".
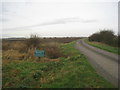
{"x": 105, "y": 63}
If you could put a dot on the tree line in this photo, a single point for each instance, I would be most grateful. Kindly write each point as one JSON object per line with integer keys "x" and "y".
{"x": 107, "y": 37}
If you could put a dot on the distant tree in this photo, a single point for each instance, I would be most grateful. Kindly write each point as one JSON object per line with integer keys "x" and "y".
{"x": 105, "y": 36}
{"x": 95, "y": 37}
{"x": 33, "y": 41}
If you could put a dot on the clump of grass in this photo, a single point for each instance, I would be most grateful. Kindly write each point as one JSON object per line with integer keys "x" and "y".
{"x": 33, "y": 41}
{"x": 19, "y": 46}
{"x": 52, "y": 50}
{"x": 13, "y": 55}
{"x": 6, "y": 45}
{"x": 29, "y": 55}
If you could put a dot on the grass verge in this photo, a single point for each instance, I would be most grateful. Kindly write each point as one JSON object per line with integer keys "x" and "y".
{"x": 105, "y": 47}
{"x": 71, "y": 72}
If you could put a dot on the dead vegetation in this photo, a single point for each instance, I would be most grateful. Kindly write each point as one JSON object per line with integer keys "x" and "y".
{"x": 23, "y": 50}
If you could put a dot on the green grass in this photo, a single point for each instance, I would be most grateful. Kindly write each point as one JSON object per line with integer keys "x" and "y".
{"x": 104, "y": 47}
{"x": 71, "y": 72}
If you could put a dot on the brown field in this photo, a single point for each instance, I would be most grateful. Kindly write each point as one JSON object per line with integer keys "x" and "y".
{"x": 13, "y": 49}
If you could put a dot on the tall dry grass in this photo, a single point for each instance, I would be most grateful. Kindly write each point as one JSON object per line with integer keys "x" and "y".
{"x": 52, "y": 50}
{"x": 33, "y": 42}
{"x": 20, "y": 51}
{"x": 13, "y": 55}
{"x": 23, "y": 50}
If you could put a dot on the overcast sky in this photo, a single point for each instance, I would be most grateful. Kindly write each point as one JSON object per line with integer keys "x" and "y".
{"x": 59, "y": 18}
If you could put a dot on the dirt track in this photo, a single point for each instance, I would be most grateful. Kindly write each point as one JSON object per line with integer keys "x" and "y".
{"x": 105, "y": 63}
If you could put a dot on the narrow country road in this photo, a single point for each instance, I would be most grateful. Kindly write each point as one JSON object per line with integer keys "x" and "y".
{"x": 105, "y": 63}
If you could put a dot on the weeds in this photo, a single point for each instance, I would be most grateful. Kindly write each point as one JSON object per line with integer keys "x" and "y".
{"x": 37, "y": 75}
{"x": 20, "y": 50}
{"x": 71, "y": 72}
{"x": 13, "y": 55}
{"x": 33, "y": 42}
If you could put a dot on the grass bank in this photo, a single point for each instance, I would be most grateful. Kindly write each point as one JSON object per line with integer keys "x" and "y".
{"x": 70, "y": 72}
{"x": 104, "y": 47}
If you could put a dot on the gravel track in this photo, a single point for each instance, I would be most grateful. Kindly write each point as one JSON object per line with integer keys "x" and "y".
{"x": 105, "y": 63}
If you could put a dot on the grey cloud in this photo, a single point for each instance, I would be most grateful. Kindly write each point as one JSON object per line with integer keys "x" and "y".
{"x": 58, "y": 21}
{"x": 70, "y": 20}
{"x": 3, "y": 20}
